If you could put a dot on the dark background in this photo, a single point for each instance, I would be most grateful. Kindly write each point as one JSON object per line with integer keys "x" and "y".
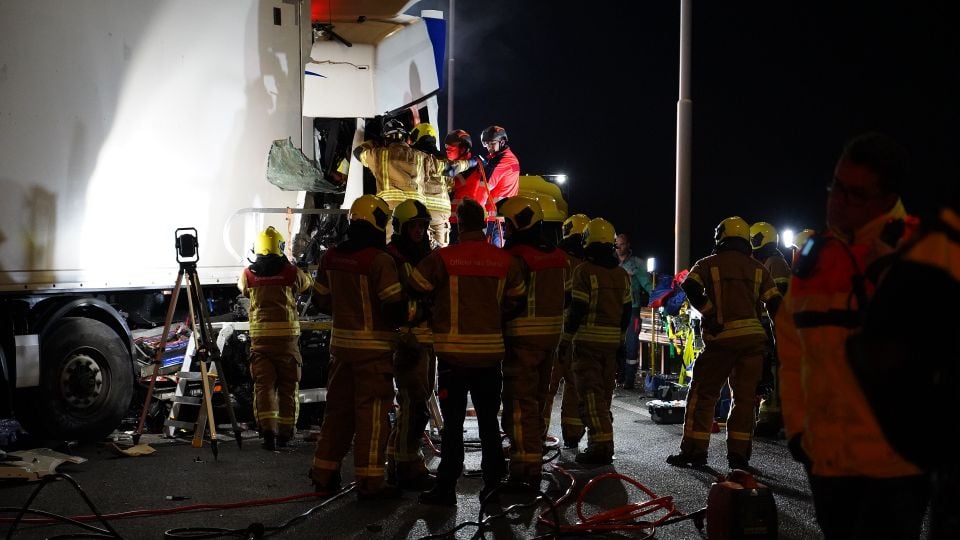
{"x": 590, "y": 89}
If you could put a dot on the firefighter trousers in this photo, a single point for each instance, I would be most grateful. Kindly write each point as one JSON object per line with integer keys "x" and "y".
{"x": 359, "y": 397}
{"x": 526, "y": 383}
{"x": 595, "y": 371}
{"x": 571, "y": 427}
{"x": 439, "y": 230}
{"x": 276, "y": 396}
{"x": 739, "y": 359}
{"x": 414, "y": 370}
{"x": 484, "y": 385}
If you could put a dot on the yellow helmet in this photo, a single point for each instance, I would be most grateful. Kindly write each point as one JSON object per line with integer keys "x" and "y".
{"x": 598, "y": 231}
{"x": 423, "y": 130}
{"x": 574, "y": 225}
{"x": 371, "y": 209}
{"x": 522, "y": 212}
{"x": 762, "y": 233}
{"x": 801, "y": 238}
{"x": 551, "y": 212}
{"x": 408, "y": 210}
{"x": 732, "y": 227}
{"x": 269, "y": 242}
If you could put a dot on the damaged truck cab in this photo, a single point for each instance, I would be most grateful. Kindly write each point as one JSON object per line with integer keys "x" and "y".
{"x": 122, "y": 120}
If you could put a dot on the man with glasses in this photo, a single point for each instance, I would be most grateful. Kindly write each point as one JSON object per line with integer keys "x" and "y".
{"x": 503, "y": 174}
{"x": 855, "y": 475}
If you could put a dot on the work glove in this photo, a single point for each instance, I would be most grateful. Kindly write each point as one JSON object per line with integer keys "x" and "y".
{"x": 795, "y": 445}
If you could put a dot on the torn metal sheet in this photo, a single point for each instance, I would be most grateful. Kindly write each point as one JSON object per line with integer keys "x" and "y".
{"x": 32, "y": 465}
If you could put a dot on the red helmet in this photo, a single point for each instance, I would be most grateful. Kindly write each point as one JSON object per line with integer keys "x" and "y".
{"x": 459, "y": 138}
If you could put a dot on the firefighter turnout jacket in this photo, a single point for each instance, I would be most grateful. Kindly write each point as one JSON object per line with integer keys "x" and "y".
{"x": 597, "y": 322}
{"x": 727, "y": 288}
{"x": 475, "y": 274}
{"x": 532, "y": 340}
{"x": 571, "y": 426}
{"x": 360, "y": 284}
{"x": 274, "y": 343}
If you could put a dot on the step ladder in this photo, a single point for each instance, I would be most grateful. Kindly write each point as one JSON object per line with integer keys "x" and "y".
{"x": 182, "y": 396}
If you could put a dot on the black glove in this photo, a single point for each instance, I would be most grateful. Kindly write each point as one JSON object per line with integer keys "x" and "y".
{"x": 795, "y": 445}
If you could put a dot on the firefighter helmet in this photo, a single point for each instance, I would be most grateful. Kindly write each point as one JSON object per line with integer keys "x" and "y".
{"x": 574, "y": 225}
{"x": 732, "y": 227}
{"x": 409, "y": 210}
{"x": 801, "y": 238}
{"x": 423, "y": 130}
{"x": 371, "y": 209}
{"x": 598, "y": 231}
{"x": 522, "y": 212}
{"x": 269, "y": 242}
{"x": 394, "y": 129}
{"x": 762, "y": 233}
{"x": 493, "y": 133}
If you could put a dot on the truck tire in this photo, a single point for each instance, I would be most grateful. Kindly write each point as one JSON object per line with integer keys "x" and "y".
{"x": 86, "y": 382}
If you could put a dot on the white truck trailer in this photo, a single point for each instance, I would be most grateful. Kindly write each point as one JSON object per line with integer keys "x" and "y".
{"x": 122, "y": 120}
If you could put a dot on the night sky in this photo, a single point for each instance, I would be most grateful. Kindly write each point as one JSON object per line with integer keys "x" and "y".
{"x": 590, "y": 89}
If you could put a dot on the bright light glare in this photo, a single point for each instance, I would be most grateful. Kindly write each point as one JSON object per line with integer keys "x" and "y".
{"x": 561, "y": 178}
{"x": 651, "y": 264}
{"x": 787, "y": 237}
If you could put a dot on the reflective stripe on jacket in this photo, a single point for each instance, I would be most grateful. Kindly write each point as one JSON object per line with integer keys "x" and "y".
{"x": 273, "y": 304}
{"x": 470, "y": 283}
{"x": 734, "y": 284}
{"x": 605, "y": 291}
{"x": 548, "y": 280}
{"x": 360, "y": 283}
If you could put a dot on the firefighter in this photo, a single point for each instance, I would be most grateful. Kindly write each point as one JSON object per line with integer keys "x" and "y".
{"x": 359, "y": 279}
{"x": 861, "y": 487}
{"x": 571, "y": 427}
{"x": 470, "y": 183}
{"x": 271, "y": 283}
{"x": 398, "y": 168}
{"x": 765, "y": 241}
{"x": 597, "y": 322}
{"x": 414, "y": 363}
{"x": 436, "y": 184}
{"x": 502, "y": 170}
{"x": 471, "y": 284}
{"x": 726, "y": 287}
{"x": 532, "y": 337}
{"x": 799, "y": 241}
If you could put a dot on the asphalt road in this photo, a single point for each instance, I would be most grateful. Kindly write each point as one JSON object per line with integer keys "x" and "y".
{"x": 122, "y": 484}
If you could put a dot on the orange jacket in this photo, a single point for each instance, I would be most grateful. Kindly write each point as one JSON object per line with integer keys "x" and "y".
{"x": 548, "y": 281}
{"x": 821, "y": 398}
{"x": 471, "y": 284}
{"x": 359, "y": 283}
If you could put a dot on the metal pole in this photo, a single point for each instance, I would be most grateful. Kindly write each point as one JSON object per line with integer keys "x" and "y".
{"x": 450, "y": 60}
{"x": 684, "y": 138}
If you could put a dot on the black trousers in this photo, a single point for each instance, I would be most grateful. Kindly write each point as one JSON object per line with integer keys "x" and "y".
{"x": 484, "y": 386}
{"x": 858, "y": 507}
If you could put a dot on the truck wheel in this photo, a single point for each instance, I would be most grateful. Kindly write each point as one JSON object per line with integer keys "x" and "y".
{"x": 86, "y": 382}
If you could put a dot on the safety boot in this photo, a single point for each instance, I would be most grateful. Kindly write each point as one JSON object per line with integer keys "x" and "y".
{"x": 688, "y": 459}
{"x": 592, "y": 457}
{"x": 269, "y": 441}
{"x": 439, "y": 496}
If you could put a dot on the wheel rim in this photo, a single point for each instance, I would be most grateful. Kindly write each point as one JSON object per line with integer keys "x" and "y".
{"x": 82, "y": 380}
